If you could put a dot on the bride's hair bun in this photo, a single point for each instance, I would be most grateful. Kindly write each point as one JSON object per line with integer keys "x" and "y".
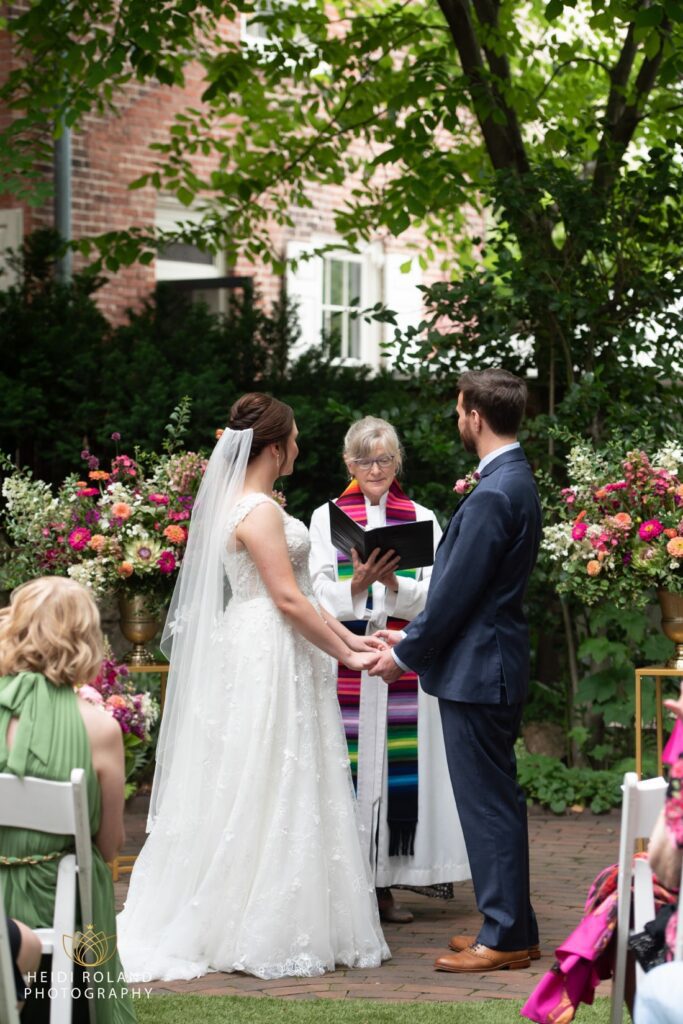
{"x": 271, "y": 420}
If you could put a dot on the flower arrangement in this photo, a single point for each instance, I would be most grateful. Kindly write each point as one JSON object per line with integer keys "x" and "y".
{"x": 121, "y": 528}
{"x": 620, "y": 533}
{"x": 136, "y": 713}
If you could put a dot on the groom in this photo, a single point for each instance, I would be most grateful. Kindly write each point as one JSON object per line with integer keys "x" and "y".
{"x": 470, "y": 648}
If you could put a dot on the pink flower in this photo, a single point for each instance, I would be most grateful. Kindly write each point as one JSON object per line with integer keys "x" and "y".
{"x": 650, "y": 529}
{"x": 579, "y": 531}
{"x": 88, "y": 692}
{"x": 166, "y": 562}
{"x": 569, "y": 495}
{"x": 79, "y": 537}
{"x": 158, "y": 499}
{"x": 87, "y": 492}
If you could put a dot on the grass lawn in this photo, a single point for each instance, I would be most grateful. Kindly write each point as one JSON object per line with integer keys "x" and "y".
{"x": 261, "y": 1010}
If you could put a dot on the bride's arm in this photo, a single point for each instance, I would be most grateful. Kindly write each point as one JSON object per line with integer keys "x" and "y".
{"x": 262, "y": 533}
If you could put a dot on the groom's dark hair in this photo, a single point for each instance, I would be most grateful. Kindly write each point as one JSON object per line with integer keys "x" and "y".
{"x": 498, "y": 396}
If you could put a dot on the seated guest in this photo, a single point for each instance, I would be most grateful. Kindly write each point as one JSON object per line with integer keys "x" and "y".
{"x": 588, "y": 954}
{"x": 50, "y": 642}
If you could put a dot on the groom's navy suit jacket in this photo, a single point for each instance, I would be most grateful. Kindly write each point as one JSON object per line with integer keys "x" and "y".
{"x": 472, "y": 637}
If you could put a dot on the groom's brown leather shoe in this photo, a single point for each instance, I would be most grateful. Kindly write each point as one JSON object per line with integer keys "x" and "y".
{"x": 477, "y": 959}
{"x": 460, "y": 942}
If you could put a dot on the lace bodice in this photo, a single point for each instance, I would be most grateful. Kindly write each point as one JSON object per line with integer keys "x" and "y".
{"x": 245, "y": 580}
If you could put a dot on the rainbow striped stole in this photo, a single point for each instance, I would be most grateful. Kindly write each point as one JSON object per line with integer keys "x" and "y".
{"x": 402, "y": 697}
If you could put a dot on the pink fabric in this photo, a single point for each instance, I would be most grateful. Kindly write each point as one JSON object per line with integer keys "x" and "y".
{"x": 583, "y": 961}
{"x": 674, "y": 747}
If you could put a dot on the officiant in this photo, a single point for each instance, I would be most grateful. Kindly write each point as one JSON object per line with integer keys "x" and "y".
{"x": 407, "y": 814}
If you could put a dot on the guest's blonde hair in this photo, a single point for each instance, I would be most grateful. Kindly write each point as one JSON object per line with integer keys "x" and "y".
{"x": 363, "y": 435}
{"x": 52, "y": 626}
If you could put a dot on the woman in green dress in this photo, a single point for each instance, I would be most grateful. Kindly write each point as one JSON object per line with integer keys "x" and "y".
{"x": 51, "y": 642}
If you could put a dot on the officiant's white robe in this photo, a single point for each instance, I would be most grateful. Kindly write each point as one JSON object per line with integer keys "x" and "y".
{"x": 440, "y": 854}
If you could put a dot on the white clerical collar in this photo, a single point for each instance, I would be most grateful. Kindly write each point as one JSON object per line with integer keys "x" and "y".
{"x": 382, "y": 502}
{"x": 494, "y": 454}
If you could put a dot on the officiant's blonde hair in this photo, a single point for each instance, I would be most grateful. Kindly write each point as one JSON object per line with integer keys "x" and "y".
{"x": 363, "y": 435}
{"x": 52, "y": 626}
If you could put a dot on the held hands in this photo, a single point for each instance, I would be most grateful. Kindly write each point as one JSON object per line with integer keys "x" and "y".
{"x": 364, "y": 644}
{"x": 359, "y": 662}
{"x": 375, "y": 569}
{"x": 390, "y": 636}
{"x": 385, "y": 666}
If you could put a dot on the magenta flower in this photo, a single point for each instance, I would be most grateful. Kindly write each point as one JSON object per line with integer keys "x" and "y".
{"x": 579, "y": 531}
{"x": 79, "y": 537}
{"x": 87, "y": 492}
{"x": 116, "y": 436}
{"x": 650, "y": 529}
{"x": 158, "y": 499}
{"x": 166, "y": 562}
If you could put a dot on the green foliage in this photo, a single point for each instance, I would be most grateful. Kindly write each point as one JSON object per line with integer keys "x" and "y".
{"x": 51, "y": 341}
{"x": 548, "y": 781}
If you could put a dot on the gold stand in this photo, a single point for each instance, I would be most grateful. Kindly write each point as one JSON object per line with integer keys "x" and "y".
{"x": 656, "y": 672}
{"x": 123, "y": 865}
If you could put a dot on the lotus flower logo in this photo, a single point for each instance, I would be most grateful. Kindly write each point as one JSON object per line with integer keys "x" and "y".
{"x": 89, "y": 948}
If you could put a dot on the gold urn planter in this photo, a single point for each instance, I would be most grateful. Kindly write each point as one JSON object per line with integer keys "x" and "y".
{"x": 139, "y": 624}
{"x": 672, "y": 624}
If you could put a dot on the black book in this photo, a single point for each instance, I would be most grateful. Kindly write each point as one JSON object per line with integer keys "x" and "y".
{"x": 412, "y": 542}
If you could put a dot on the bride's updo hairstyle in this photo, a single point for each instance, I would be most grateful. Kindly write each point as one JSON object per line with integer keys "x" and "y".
{"x": 271, "y": 420}
{"x": 52, "y": 626}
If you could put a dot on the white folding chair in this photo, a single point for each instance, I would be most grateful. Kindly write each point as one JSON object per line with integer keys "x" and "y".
{"x": 60, "y": 808}
{"x": 8, "y": 996}
{"x": 640, "y": 809}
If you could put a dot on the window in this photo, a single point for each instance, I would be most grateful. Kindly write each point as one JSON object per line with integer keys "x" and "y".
{"x": 11, "y": 237}
{"x": 254, "y": 31}
{"x": 329, "y": 289}
{"x": 182, "y": 261}
{"x": 341, "y": 297}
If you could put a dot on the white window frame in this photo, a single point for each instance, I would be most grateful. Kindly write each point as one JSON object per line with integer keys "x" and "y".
{"x": 306, "y": 285}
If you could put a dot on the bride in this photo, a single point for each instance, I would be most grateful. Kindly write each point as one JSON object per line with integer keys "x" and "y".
{"x": 253, "y": 862}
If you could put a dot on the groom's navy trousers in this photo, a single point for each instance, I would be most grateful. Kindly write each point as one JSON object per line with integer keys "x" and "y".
{"x": 470, "y": 647}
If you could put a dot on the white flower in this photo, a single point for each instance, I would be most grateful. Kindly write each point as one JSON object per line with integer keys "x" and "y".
{"x": 669, "y": 456}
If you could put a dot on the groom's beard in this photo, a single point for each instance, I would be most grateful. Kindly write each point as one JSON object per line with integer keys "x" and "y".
{"x": 467, "y": 438}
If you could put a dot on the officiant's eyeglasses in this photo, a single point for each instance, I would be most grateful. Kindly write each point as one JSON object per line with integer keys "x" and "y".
{"x": 383, "y": 461}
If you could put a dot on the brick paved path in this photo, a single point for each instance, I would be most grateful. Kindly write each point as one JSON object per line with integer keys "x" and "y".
{"x": 566, "y": 854}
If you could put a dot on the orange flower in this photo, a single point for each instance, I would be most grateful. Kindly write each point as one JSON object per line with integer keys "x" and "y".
{"x": 116, "y": 701}
{"x": 593, "y": 567}
{"x": 622, "y": 519}
{"x": 121, "y": 510}
{"x": 219, "y": 433}
{"x": 670, "y": 533}
{"x": 679, "y": 491}
{"x": 175, "y": 534}
{"x": 97, "y": 542}
{"x": 81, "y": 483}
{"x": 601, "y": 493}
{"x": 125, "y": 569}
{"x": 675, "y": 547}
{"x": 580, "y": 516}
{"x": 99, "y": 474}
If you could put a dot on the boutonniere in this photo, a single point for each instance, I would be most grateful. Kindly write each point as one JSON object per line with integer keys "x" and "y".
{"x": 467, "y": 484}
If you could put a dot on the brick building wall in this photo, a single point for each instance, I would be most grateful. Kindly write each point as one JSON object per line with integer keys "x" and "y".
{"x": 110, "y": 151}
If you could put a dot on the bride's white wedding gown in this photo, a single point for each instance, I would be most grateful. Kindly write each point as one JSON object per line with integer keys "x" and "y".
{"x": 254, "y": 863}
